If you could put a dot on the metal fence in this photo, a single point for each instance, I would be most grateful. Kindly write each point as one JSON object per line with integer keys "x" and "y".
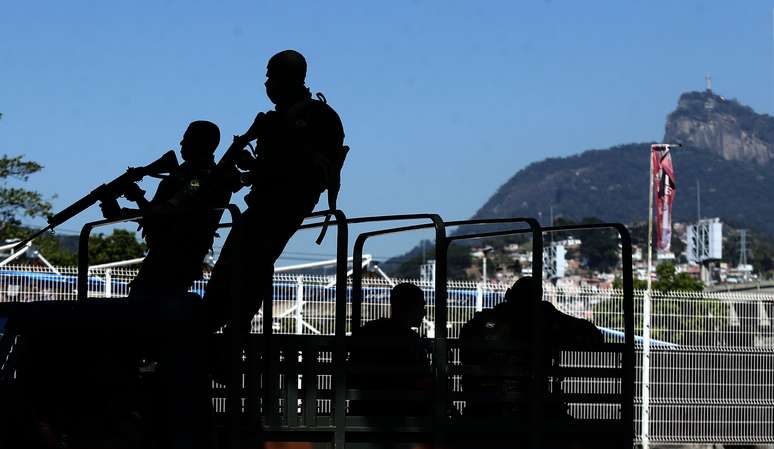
{"x": 712, "y": 361}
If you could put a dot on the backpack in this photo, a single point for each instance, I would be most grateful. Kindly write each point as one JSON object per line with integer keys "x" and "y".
{"x": 330, "y": 161}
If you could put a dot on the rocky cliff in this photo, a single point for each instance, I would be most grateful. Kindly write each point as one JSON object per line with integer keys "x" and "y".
{"x": 723, "y": 127}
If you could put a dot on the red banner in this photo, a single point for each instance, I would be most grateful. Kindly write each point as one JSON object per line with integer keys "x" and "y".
{"x": 664, "y": 188}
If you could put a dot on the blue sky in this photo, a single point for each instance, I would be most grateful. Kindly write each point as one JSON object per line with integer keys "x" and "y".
{"x": 442, "y": 102}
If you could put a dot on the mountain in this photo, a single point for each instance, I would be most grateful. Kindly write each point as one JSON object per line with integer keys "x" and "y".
{"x": 728, "y": 149}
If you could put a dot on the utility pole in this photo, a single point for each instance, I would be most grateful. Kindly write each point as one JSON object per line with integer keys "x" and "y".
{"x": 483, "y": 252}
{"x": 552, "y": 222}
{"x": 698, "y": 201}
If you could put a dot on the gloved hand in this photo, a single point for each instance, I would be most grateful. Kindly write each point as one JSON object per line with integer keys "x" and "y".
{"x": 256, "y": 128}
{"x": 134, "y": 193}
{"x": 245, "y": 160}
{"x": 110, "y": 209}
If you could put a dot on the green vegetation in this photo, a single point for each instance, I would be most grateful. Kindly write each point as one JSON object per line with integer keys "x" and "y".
{"x": 120, "y": 245}
{"x": 599, "y": 247}
{"x": 17, "y": 202}
{"x": 683, "y": 322}
{"x": 407, "y": 265}
{"x": 760, "y": 250}
{"x": 667, "y": 280}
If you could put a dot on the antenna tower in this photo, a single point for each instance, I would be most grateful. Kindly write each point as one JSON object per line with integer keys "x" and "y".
{"x": 742, "y": 247}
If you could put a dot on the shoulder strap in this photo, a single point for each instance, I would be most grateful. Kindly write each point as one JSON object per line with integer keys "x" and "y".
{"x": 333, "y": 183}
{"x": 333, "y": 187}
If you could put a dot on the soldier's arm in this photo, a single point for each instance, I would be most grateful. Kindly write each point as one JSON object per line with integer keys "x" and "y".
{"x": 137, "y": 195}
{"x": 234, "y": 151}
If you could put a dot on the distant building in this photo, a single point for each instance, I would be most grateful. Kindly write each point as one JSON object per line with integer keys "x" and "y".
{"x": 665, "y": 255}
{"x": 705, "y": 241}
{"x": 554, "y": 263}
{"x": 427, "y": 271}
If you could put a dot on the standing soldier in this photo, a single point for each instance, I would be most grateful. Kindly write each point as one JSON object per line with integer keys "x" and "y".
{"x": 300, "y": 151}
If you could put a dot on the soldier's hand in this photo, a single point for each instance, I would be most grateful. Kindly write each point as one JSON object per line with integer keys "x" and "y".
{"x": 245, "y": 160}
{"x": 134, "y": 193}
{"x": 110, "y": 209}
{"x": 254, "y": 131}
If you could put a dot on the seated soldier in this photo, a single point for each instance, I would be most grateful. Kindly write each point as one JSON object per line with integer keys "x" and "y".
{"x": 179, "y": 226}
{"x": 495, "y": 376}
{"x": 179, "y": 242}
{"x": 399, "y": 347}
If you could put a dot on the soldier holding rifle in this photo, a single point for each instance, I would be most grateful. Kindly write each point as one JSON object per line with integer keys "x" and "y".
{"x": 299, "y": 154}
{"x": 181, "y": 222}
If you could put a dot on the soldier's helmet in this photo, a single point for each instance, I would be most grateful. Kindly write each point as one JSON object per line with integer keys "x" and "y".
{"x": 288, "y": 66}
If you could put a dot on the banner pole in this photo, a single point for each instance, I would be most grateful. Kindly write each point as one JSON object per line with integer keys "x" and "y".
{"x": 646, "y": 300}
{"x": 645, "y": 418}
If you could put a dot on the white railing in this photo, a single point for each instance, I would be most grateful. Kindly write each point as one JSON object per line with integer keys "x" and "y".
{"x": 712, "y": 362}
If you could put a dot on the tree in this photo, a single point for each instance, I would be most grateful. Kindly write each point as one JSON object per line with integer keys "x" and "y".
{"x": 667, "y": 280}
{"x": 599, "y": 247}
{"x": 52, "y": 249}
{"x": 16, "y": 202}
{"x": 458, "y": 260}
{"x": 676, "y": 319}
{"x": 120, "y": 245}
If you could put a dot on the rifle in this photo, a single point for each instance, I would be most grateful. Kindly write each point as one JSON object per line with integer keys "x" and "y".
{"x": 107, "y": 192}
{"x": 234, "y": 151}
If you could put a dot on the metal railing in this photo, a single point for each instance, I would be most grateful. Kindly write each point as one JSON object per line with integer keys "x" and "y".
{"x": 712, "y": 361}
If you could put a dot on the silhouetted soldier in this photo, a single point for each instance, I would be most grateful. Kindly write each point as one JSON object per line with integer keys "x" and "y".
{"x": 179, "y": 227}
{"x": 397, "y": 346}
{"x": 299, "y": 155}
{"x": 495, "y": 377}
{"x": 181, "y": 224}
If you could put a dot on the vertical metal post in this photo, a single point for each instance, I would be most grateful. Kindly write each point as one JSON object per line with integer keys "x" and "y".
{"x": 357, "y": 283}
{"x": 234, "y": 387}
{"x": 340, "y": 343}
{"x": 627, "y": 389}
{"x": 645, "y": 430}
{"x": 537, "y": 417}
{"x": 479, "y": 297}
{"x": 270, "y": 404}
{"x": 298, "y": 313}
{"x": 108, "y": 283}
{"x": 440, "y": 354}
{"x": 83, "y": 262}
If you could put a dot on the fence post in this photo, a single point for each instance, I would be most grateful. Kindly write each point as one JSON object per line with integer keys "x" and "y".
{"x": 298, "y": 313}
{"x": 108, "y": 283}
{"x": 479, "y": 297}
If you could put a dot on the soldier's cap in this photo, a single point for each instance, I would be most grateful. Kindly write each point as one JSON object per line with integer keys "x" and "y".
{"x": 288, "y": 65}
